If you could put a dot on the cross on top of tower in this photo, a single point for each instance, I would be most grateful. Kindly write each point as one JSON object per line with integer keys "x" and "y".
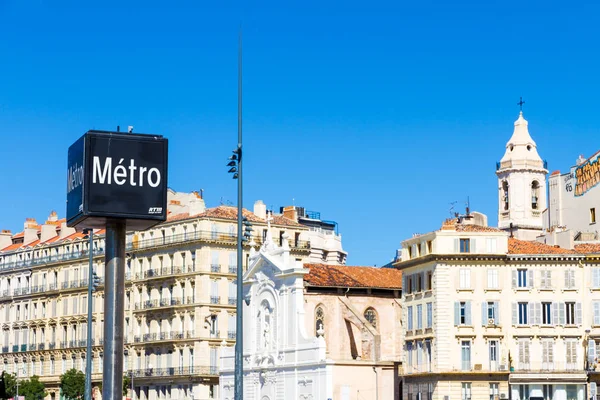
{"x": 520, "y": 103}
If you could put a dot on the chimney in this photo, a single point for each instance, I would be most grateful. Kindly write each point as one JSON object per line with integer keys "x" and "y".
{"x": 66, "y": 231}
{"x": 5, "y": 238}
{"x": 290, "y": 213}
{"x": 196, "y": 205}
{"x": 49, "y": 228}
{"x": 30, "y": 230}
{"x": 260, "y": 209}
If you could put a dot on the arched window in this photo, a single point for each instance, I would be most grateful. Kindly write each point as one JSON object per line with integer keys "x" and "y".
{"x": 371, "y": 316}
{"x": 319, "y": 320}
{"x": 505, "y": 194}
{"x": 535, "y": 193}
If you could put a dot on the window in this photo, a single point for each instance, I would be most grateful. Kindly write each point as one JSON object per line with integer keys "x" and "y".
{"x": 523, "y": 391}
{"x": 419, "y": 282}
{"x": 523, "y": 317}
{"x": 466, "y": 391}
{"x": 465, "y": 245}
{"x": 546, "y": 279}
{"x": 505, "y": 195}
{"x": 592, "y": 215}
{"x": 547, "y": 354}
{"x": 491, "y": 245}
{"x": 595, "y": 277}
{"x": 409, "y": 311}
{"x": 569, "y": 279}
{"x": 571, "y": 353}
{"x": 547, "y": 313}
{"x": 465, "y": 278}
{"x": 570, "y": 313}
{"x": 548, "y": 392}
{"x": 462, "y": 313}
{"x": 493, "y": 350}
{"x": 535, "y": 194}
{"x": 522, "y": 278}
{"x": 490, "y": 313}
{"x": 494, "y": 391}
{"x": 430, "y": 314}
{"x": 409, "y": 354}
{"x": 492, "y": 279}
{"x": 465, "y": 351}
{"x": 430, "y": 280}
{"x": 596, "y": 319}
{"x": 524, "y": 353}
{"x": 319, "y": 319}
{"x": 409, "y": 285}
{"x": 428, "y": 355}
{"x": 371, "y": 316}
{"x": 419, "y": 316}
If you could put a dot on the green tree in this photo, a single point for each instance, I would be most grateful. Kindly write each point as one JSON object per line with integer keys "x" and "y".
{"x": 10, "y": 382}
{"x": 126, "y": 384}
{"x": 72, "y": 384}
{"x": 32, "y": 388}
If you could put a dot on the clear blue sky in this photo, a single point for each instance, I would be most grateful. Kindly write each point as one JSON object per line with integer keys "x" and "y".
{"x": 378, "y": 116}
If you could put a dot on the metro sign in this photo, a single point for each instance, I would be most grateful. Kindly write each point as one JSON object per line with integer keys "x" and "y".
{"x": 113, "y": 175}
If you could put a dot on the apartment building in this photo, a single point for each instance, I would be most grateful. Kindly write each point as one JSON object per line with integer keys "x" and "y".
{"x": 489, "y": 316}
{"x": 179, "y": 301}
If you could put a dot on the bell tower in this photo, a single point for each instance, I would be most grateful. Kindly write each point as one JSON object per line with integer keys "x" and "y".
{"x": 521, "y": 185}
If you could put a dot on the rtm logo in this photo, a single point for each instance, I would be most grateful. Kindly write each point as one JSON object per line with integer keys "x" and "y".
{"x": 155, "y": 210}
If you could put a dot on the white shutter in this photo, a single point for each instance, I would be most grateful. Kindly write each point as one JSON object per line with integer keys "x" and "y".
{"x": 515, "y": 314}
{"x": 555, "y": 314}
{"x": 543, "y": 283}
{"x": 530, "y": 278}
{"x": 456, "y": 246}
{"x": 549, "y": 278}
{"x": 591, "y": 350}
{"x": 578, "y": 313}
{"x": 567, "y": 278}
{"x": 514, "y": 278}
{"x": 473, "y": 246}
{"x": 596, "y": 277}
{"x": 537, "y": 313}
{"x": 596, "y": 319}
{"x": 561, "y": 313}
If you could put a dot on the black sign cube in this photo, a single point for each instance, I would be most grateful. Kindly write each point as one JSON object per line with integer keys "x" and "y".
{"x": 114, "y": 175}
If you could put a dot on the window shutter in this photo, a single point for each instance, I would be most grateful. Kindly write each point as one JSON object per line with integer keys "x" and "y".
{"x": 521, "y": 350}
{"x": 456, "y": 313}
{"x": 596, "y": 318}
{"x": 404, "y": 284}
{"x": 484, "y": 313}
{"x": 497, "y": 312}
{"x": 543, "y": 278}
{"x": 567, "y": 278}
{"x": 561, "y": 311}
{"x": 473, "y": 246}
{"x": 456, "y": 245}
{"x": 214, "y": 288}
{"x": 573, "y": 278}
{"x": 515, "y": 314}
{"x": 591, "y": 350}
{"x": 578, "y": 313}
{"x": 414, "y": 284}
{"x": 555, "y": 314}
{"x": 530, "y": 313}
{"x": 468, "y": 313}
{"x": 514, "y": 279}
{"x": 215, "y": 258}
{"x": 232, "y": 259}
{"x": 596, "y": 277}
{"x": 423, "y": 283}
{"x": 538, "y": 313}
{"x": 526, "y": 342}
{"x": 530, "y": 278}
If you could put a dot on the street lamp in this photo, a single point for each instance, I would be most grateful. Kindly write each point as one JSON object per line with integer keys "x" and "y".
{"x": 235, "y": 168}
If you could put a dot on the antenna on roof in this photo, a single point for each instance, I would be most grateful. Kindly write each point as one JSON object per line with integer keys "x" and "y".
{"x": 467, "y": 214}
{"x": 452, "y": 213}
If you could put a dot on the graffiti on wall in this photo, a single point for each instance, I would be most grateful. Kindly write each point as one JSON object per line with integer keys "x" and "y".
{"x": 587, "y": 175}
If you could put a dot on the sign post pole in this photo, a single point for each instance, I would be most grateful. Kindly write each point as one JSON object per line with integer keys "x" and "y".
{"x": 114, "y": 315}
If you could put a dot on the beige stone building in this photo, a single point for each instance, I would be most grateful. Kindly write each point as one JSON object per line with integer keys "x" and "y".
{"x": 490, "y": 316}
{"x": 180, "y": 297}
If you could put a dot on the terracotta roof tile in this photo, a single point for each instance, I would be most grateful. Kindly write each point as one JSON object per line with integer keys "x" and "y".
{"x": 74, "y": 236}
{"x": 52, "y": 239}
{"x": 32, "y": 244}
{"x": 178, "y": 217}
{"x": 348, "y": 276}
{"x": 516, "y": 246}
{"x": 588, "y": 248}
{"x": 19, "y": 235}
{"x": 228, "y": 212}
{"x": 12, "y": 247}
{"x": 452, "y": 224}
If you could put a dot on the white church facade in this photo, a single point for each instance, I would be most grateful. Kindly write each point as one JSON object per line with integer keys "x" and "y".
{"x": 312, "y": 331}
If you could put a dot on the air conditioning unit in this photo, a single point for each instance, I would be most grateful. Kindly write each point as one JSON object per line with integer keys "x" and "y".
{"x": 491, "y": 322}
{"x": 503, "y": 395}
{"x": 502, "y": 367}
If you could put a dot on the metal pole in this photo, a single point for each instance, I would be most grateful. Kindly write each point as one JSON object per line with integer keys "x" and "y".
{"x": 88, "y": 355}
{"x": 17, "y": 379}
{"x": 376, "y": 383}
{"x": 114, "y": 314}
{"x": 239, "y": 334}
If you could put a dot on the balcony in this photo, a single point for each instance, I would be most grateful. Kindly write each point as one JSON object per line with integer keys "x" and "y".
{"x": 230, "y": 334}
{"x": 5, "y": 349}
{"x": 23, "y": 347}
{"x": 15, "y": 348}
{"x": 174, "y": 371}
{"x": 559, "y": 366}
{"x": 52, "y": 345}
{"x": 215, "y": 334}
{"x": 215, "y": 268}
{"x": 32, "y": 347}
{"x": 166, "y": 272}
{"x": 5, "y": 293}
{"x": 63, "y": 345}
{"x": 231, "y": 300}
{"x": 46, "y": 260}
{"x": 41, "y": 346}
{"x": 153, "y": 337}
{"x": 232, "y": 269}
{"x": 52, "y": 286}
{"x": 215, "y": 299}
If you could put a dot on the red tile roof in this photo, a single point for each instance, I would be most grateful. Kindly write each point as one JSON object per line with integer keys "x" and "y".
{"x": 228, "y": 212}
{"x": 452, "y": 224}
{"x": 323, "y": 275}
{"x": 12, "y": 247}
{"x": 516, "y": 246}
{"x": 588, "y": 248}
{"x": 19, "y": 235}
